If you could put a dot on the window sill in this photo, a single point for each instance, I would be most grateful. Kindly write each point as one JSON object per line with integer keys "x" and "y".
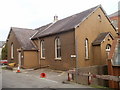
{"x": 42, "y": 58}
{"x": 58, "y": 59}
{"x": 12, "y": 58}
{"x": 87, "y": 58}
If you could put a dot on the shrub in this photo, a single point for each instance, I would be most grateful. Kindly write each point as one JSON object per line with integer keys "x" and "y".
{"x": 4, "y": 53}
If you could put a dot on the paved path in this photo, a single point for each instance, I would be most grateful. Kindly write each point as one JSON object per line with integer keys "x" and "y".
{"x": 12, "y": 79}
{"x": 0, "y": 78}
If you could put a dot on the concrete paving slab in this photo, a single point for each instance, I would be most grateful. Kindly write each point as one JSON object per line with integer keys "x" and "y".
{"x": 31, "y": 79}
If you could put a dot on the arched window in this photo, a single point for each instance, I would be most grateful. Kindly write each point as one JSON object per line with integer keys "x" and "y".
{"x": 57, "y": 48}
{"x": 12, "y": 51}
{"x": 42, "y": 49}
{"x": 108, "y": 47}
{"x": 86, "y": 49}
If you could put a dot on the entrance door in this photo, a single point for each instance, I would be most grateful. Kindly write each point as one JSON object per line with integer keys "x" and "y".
{"x": 19, "y": 59}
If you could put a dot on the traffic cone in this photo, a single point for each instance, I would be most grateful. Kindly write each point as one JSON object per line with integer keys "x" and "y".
{"x": 68, "y": 77}
{"x": 43, "y": 75}
{"x": 18, "y": 70}
{"x": 89, "y": 78}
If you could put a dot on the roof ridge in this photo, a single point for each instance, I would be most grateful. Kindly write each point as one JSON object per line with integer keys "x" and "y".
{"x": 100, "y": 38}
{"x": 89, "y": 14}
{"x": 81, "y": 12}
{"x": 48, "y": 26}
{"x": 44, "y": 29}
{"x": 72, "y": 15}
{"x": 18, "y": 32}
{"x": 16, "y": 36}
{"x": 78, "y": 13}
{"x": 68, "y": 20}
{"x": 42, "y": 26}
{"x": 38, "y": 30}
{"x": 21, "y": 28}
{"x": 117, "y": 13}
{"x": 34, "y": 34}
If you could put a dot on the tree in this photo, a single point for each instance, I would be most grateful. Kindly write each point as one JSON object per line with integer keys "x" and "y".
{"x": 4, "y": 52}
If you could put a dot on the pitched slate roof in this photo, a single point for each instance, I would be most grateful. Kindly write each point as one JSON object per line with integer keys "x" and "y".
{"x": 43, "y": 27}
{"x": 115, "y": 14}
{"x": 65, "y": 24}
{"x": 23, "y": 36}
{"x": 100, "y": 38}
{"x": 1, "y": 43}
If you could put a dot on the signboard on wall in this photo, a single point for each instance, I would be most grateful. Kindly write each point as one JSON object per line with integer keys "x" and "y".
{"x": 73, "y": 56}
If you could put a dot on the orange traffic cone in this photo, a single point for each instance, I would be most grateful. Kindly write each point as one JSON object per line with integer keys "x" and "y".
{"x": 18, "y": 70}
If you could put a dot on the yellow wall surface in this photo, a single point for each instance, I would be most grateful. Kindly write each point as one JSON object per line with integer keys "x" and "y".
{"x": 97, "y": 55}
{"x": 67, "y": 49}
{"x": 100, "y": 54}
{"x": 30, "y": 59}
{"x": 108, "y": 40}
{"x": 91, "y": 28}
{"x": 16, "y": 45}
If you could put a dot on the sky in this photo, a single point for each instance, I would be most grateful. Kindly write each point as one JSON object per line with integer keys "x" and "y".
{"x": 35, "y": 13}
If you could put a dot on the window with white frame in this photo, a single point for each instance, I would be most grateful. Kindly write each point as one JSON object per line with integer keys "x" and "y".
{"x": 108, "y": 47}
{"x": 12, "y": 51}
{"x": 86, "y": 49}
{"x": 57, "y": 48}
{"x": 42, "y": 49}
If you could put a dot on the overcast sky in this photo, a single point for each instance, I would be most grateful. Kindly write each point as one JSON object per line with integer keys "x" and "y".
{"x": 35, "y": 13}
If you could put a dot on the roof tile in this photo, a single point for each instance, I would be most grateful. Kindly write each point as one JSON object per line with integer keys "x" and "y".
{"x": 100, "y": 38}
{"x": 23, "y": 35}
{"x": 64, "y": 24}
